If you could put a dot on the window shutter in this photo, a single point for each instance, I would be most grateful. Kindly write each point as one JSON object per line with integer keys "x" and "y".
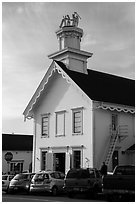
{"x": 60, "y": 124}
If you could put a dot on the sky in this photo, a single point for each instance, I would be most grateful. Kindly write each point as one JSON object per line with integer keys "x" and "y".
{"x": 28, "y": 37}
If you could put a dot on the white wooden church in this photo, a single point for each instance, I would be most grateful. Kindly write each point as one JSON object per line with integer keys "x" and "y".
{"x": 82, "y": 117}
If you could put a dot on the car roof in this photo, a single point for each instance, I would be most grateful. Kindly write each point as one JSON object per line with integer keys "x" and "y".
{"x": 26, "y": 173}
{"x": 77, "y": 169}
{"x": 47, "y": 172}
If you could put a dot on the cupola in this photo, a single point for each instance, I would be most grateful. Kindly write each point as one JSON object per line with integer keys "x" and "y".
{"x": 69, "y": 37}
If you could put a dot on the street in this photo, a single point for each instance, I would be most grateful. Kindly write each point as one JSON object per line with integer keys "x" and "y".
{"x": 22, "y": 197}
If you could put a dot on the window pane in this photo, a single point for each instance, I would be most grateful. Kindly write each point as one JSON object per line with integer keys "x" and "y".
{"x": 77, "y": 121}
{"x": 60, "y": 123}
{"x": 45, "y": 119}
{"x": 4, "y": 177}
{"x": 45, "y": 124}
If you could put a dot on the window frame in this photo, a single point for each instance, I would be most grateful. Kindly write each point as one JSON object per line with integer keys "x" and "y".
{"x": 43, "y": 160}
{"x": 73, "y": 162}
{"x": 75, "y": 110}
{"x": 44, "y": 135}
{"x": 56, "y": 123}
{"x": 13, "y": 165}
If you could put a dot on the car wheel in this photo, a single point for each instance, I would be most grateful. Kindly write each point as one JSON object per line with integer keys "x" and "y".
{"x": 54, "y": 191}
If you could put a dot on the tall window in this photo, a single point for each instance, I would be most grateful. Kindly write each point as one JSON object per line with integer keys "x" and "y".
{"x": 43, "y": 160}
{"x": 45, "y": 125}
{"x": 77, "y": 120}
{"x": 76, "y": 159}
{"x": 114, "y": 121}
{"x": 60, "y": 123}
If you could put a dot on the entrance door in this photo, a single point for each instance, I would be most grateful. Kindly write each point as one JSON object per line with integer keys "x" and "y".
{"x": 114, "y": 159}
{"x": 59, "y": 162}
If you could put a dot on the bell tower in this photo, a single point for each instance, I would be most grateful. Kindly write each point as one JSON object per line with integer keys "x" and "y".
{"x": 69, "y": 37}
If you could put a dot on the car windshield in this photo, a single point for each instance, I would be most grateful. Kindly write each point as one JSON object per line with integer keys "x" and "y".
{"x": 72, "y": 174}
{"x": 21, "y": 176}
{"x": 80, "y": 173}
{"x": 4, "y": 177}
{"x": 41, "y": 176}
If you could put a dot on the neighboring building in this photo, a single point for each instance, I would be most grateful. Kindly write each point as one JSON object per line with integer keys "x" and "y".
{"x": 20, "y": 146}
{"x": 82, "y": 117}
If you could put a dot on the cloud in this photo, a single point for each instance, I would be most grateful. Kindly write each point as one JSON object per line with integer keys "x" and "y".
{"x": 88, "y": 41}
{"x": 17, "y": 125}
{"x": 115, "y": 46}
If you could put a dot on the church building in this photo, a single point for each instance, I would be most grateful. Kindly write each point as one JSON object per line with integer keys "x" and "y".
{"x": 82, "y": 117}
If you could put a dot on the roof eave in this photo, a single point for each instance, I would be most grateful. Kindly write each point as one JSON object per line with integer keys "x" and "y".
{"x": 28, "y": 112}
{"x": 71, "y": 50}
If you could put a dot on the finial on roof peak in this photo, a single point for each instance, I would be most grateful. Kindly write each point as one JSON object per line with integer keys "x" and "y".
{"x": 67, "y": 21}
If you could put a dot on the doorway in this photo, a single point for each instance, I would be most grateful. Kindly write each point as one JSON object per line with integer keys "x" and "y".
{"x": 59, "y": 162}
{"x": 114, "y": 159}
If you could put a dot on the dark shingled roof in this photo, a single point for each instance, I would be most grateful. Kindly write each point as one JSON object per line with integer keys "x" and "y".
{"x": 17, "y": 142}
{"x": 104, "y": 87}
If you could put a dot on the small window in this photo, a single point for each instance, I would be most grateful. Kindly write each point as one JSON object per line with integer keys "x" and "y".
{"x": 57, "y": 175}
{"x": 60, "y": 123}
{"x": 45, "y": 125}
{"x": 16, "y": 166}
{"x": 4, "y": 178}
{"x": 46, "y": 176}
{"x": 77, "y": 120}
{"x": 62, "y": 175}
{"x": 52, "y": 175}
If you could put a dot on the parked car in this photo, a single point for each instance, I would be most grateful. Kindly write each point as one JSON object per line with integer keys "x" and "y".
{"x": 83, "y": 180}
{"x": 121, "y": 182}
{"x": 47, "y": 181}
{"x": 6, "y": 181}
{"x": 21, "y": 182}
